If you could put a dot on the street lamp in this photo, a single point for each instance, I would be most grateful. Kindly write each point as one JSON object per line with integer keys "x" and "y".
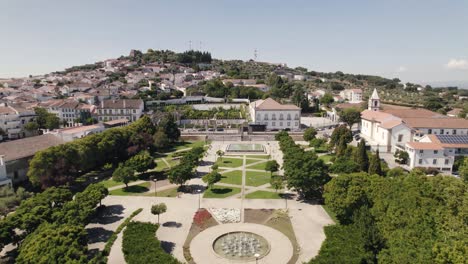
{"x": 199, "y": 198}
{"x": 256, "y": 257}
{"x": 155, "y": 181}
{"x": 286, "y": 193}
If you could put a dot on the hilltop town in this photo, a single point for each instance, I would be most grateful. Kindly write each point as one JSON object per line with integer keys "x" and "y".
{"x": 77, "y": 95}
{"x": 182, "y": 158}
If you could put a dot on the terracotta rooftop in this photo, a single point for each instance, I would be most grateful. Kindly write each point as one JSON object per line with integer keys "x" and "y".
{"x": 424, "y": 145}
{"x": 390, "y": 124}
{"x": 446, "y": 122}
{"x": 413, "y": 113}
{"x": 121, "y": 104}
{"x": 270, "y": 104}
{"x": 5, "y": 110}
{"x": 375, "y": 115}
{"x": 27, "y": 147}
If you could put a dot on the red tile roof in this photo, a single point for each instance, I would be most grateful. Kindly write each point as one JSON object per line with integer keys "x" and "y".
{"x": 270, "y": 104}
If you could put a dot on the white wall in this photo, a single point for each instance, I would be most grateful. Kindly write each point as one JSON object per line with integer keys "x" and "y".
{"x": 274, "y": 119}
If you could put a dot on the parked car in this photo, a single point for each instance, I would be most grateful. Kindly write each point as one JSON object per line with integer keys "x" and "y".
{"x": 220, "y": 129}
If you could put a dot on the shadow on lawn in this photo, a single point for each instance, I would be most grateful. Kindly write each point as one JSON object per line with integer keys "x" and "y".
{"x": 221, "y": 190}
{"x": 135, "y": 189}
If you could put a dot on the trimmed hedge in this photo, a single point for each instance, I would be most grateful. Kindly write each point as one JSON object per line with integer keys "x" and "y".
{"x": 140, "y": 245}
{"x": 101, "y": 258}
{"x": 113, "y": 237}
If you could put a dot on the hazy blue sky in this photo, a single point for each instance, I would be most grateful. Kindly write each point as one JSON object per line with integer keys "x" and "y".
{"x": 423, "y": 40}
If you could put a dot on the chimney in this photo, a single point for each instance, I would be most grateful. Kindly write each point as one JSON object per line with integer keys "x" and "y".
{"x": 102, "y": 104}
{"x": 124, "y": 105}
{"x": 2, "y": 163}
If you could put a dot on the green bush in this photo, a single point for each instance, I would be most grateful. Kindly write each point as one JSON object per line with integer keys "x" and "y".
{"x": 113, "y": 237}
{"x": 139, "y": 245}
{"x": 344, "y": 165}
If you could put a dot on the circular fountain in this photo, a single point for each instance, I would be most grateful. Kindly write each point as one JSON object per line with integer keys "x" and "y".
{"x": 241, "y": 246}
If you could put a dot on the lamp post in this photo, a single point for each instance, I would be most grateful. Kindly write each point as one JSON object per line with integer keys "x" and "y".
{"x": 256, "y": 257}
{"x": 199, "y": 198}
{"x": 286, "y": 193}
{"x": 155, "y": 181}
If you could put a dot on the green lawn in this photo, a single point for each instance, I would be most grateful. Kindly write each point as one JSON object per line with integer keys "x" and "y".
{"x": 263, "y": 195}
{"x": 229, "y": 162}
{"x": 111, "y": 183}
{"x": 326, "y": 158}
{"x": 254, "y": 178}
{"x": 232, "y": 177}
{"x": 161, "y": 165}
{"x": 220, "y": 192}
{"x": 172, "y": 192}
{"x": 132, "y": 190}
{"x": 258, "y": 156}
{"x": 259, "y": 166}
{"x": 189, "y": 144}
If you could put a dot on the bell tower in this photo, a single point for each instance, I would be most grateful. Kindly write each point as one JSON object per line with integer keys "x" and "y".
{"x": 374, "y": 101}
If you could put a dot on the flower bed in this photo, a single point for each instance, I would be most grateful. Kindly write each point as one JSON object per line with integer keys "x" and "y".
{"x": 226, "y": 215}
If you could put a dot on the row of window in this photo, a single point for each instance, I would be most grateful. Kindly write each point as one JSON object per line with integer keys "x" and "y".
{"x": 108, "y": 118}
{"x": 288, "y": 124}
{"x": 441, "y": 132}
{"x": 273, "y": 117}
{"x": 116, "y": 111}
{"x": 434, "y": 161}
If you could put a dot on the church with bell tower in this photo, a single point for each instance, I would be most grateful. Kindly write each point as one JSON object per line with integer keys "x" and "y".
{"x": 374, "y": 101}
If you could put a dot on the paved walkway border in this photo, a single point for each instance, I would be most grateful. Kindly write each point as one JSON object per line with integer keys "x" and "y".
{"x": 201, "y": 247}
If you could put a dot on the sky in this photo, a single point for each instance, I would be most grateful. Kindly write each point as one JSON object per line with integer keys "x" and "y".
{"x": 415, "y": 40}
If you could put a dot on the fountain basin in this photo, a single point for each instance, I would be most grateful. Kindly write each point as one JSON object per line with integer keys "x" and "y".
{"x": 241, "y": 246}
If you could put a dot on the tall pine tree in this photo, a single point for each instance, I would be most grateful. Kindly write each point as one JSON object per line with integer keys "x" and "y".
{"x": 375, "y": 166}
{"x": 361, "y": 156}
{"x": 341, "y": 147}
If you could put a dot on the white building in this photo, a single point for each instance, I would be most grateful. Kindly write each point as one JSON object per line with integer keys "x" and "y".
{"x": 274, "y": 115}
{"x": 69, "y": 110}
{"x": 390, "y": 129}
{"x": 437, "y": 151}
{"x": 130, "y": 109}
{"x": 352, "y": 95}
{"x": 72, "y": 133}
{"x": 13, "y": 118}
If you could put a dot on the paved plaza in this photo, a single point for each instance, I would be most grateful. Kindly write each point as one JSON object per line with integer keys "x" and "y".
{"x": 307, "y": 219}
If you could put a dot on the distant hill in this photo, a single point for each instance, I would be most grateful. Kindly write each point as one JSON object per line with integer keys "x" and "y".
{"x": 459, "y": 84}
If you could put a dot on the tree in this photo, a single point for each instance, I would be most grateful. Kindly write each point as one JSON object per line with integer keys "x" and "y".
{"x": 277, "y": 182}
{"x": 158, "y": 209}
{"x": 212, "y": 178}
{"x": 463, "y": 170}
{"x": 170, "y": 128}
{"x": 141, "y": 162}
{"x": 338, "y": 133}
{"x": 361, "y": 156}
{"x": 180, "y": 174}
{"x": 272, "y": 166}
{"x": 124, "y": 174}
{"x": 161, "y": 140}
{"x": 327, "y": 99}
{"x": 341, "y": 147}
{"x": 220, "y": 153}
{"x": 350, "y": 116}
{"x": 309, "y": 134}
{"x": 55, "y": 244}
{"x": 31, "y": 126}
{"x": 374, "y": 166}
{"x": 401, "y": 156}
